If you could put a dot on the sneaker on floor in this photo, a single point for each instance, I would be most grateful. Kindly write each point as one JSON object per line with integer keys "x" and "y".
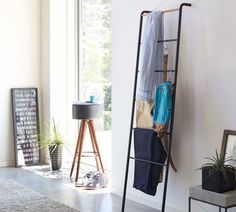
{"x": 97, "y": 180}
{"x": 83, "y": 181}
{"x": 87, "y": 178}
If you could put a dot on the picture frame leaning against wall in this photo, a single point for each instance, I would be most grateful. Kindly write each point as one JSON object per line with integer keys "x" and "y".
{"x": 228, "y": 147}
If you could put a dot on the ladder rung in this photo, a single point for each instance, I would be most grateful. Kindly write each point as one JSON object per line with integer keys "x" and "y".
{"x": 168, "y": 40}
{"x": 164, "y": 70}
{"x": 147, "y": 161}
{"x": 168, "y": 133}
{"x": 164, "y": 41}
{"x": 151, "y": 129}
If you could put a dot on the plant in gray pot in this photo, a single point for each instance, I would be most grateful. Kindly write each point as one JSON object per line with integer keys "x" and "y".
{"x": 54, "y": 141}
{"x": 218, "y": 174}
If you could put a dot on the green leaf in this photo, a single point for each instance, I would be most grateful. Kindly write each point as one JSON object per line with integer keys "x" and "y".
{"x": 220, "y": 164}
{"x": 52, "y": 138}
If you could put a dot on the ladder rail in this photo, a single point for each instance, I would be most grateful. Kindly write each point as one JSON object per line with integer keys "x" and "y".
{"x": 132, "y": 113}
{"x": 173, "y": 104}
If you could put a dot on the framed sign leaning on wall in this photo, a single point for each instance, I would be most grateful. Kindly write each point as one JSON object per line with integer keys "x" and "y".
{"x": 25, "y": 114}
{"x": 228, "y": 148}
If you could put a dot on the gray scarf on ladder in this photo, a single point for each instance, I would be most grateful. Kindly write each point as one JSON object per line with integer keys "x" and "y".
{"x": 151, "y": 56}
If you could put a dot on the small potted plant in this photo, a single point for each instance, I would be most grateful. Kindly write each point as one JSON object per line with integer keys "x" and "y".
{"x": 54, "y": 141}
{"x": 218, "y": 174}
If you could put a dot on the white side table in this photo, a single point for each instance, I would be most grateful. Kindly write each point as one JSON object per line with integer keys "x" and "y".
{"x": 222, "y": 200}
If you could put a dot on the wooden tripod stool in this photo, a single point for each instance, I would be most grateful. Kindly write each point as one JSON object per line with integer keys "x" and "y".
{"x": 83, "y": 111}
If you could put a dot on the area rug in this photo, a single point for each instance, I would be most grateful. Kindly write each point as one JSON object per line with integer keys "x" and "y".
{"x": 15, "y": 197}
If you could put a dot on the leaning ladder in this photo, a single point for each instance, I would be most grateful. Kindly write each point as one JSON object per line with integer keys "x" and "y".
{"x": 173, "y": 107}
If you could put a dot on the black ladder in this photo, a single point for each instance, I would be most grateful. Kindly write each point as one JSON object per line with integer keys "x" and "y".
{"x": 173, "y": 107}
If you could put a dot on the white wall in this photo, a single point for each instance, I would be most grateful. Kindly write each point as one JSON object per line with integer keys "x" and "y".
{"x": 205, "y": 103}
{"x": 19, "y": 62}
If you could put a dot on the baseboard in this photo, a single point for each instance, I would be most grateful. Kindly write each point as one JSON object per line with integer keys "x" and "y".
{"x": 10, "y": 163}
{"x": 144, "y": 200}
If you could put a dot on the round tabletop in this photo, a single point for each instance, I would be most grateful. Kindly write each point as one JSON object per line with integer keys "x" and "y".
{"x": 87, "y": 110}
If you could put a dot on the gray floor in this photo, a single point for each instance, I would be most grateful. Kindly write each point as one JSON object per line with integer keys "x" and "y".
{"x": 63, "y": 190}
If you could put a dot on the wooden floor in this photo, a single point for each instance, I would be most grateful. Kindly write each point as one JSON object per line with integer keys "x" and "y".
{"x": 63, "y": 190}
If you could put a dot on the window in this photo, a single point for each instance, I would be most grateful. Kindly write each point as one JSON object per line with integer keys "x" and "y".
{"x": 95, "y": 64}
{"x": 95, "y": 54}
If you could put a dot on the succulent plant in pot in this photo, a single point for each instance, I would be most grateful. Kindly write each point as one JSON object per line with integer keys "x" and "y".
{"x": 54, "y": 141}
{"x": 218, "y": 174}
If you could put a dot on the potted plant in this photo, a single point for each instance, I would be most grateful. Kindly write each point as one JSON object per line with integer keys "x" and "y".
{"x": 54, "y": 141}
{"x": 218, "y": 174}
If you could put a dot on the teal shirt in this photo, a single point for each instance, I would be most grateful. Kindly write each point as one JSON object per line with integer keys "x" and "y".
{"x": 163, "y": 104}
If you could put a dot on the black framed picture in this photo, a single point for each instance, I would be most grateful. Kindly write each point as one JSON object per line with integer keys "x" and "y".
{"x": 228, "y": 148}
{"x": 25, "y": 115}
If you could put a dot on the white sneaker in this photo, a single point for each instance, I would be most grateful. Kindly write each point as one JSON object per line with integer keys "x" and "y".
{"x": 95, "y": 180}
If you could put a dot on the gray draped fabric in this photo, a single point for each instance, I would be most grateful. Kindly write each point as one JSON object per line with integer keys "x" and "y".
{"x": 151, "y": 56}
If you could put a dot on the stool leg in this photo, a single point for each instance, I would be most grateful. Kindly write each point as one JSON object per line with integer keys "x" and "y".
{"x": 94, "y": 147}
{"x": 76, "y": 150}
{"x": 91, "y": 124}
{"x": 83, "y": 131}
